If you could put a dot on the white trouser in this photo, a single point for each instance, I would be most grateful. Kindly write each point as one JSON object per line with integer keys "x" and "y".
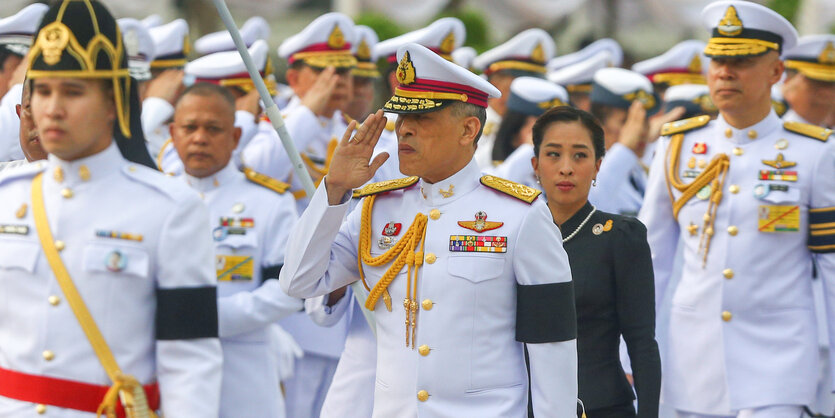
{"x": 305, "y": 391}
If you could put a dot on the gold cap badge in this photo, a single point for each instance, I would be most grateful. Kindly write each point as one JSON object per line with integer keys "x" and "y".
{"x": 538, "y": 54}
{"x": 695, "y": 66}
{"x": 645, "y": 98}
{"x": 363, "y": 51}
{"x": 336, "y": 40}
{"x": 730, "y": 25}
{"x": 827, "y": 56}
{"x": 448, "y": 44}
{"x": 405, "y": 70}
{"x": 53, "y": 39}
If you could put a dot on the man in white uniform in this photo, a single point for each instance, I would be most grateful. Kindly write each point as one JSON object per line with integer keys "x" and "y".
{"x": 458, "y": 293}
{"x": 743, "y": 336}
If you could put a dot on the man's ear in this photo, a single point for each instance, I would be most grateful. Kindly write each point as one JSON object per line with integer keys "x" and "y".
{"x": 469, "y": 131}
{"x": 236, "y": 136}
{"x": 292, "y": 76}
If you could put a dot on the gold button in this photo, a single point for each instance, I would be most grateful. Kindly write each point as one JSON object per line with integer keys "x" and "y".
{"x": 734, "y": 189}
{"x": 752, "y": 134}
{"x": 84, "y": 173}
{"x": 40, "y": 408}
{"x": 48, "y": 355}
{"x": 59, "y": 245}
{"x": 66, "y": 192}
{"x": 424, "y": 350}
{"x": 738, "y": 151}
{"x": 132, "y": 168}
{"x": 728, "y": 273}
{"x": 427, "y": 304}
{"x": 430, "y": 258}
{"x": 733, "y": 230}
{"x": 54, "y": 300}
{"x": 423, "y": 396}
{"x": 726, "y": 316}
{"x": 434, "y": 214}
{"x": 729, "y": 133}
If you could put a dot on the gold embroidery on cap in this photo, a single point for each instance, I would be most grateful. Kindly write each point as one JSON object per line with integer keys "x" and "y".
{"x": 448, "y": 44}
{"x": 363, "y": 51}
{"x": 730, "y": 25}
{"x": 52, "y": 40}
{"x": 645, "y": 98}
{"x": 405, "y": 70}
{"x": 336, "y": 40}
{"x": 827, "y": 56}
{"x": 538, "y": 54}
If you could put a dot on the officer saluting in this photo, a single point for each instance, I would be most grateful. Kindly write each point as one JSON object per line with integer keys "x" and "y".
{"x": 453, "y": 259}
{"x": 104, "y": 275}
{"x": 754, "y": 200}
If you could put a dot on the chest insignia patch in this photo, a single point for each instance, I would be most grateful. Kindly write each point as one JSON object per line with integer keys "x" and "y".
{"x": 481, "y": 223}
{"x": 700, "y": 148}
{"x": 231, "y": 222}
{"x": 780, "y": 162}
{"x": 101, "y": 233}
{"x": 477, "y": 244}
{"x": 14, "y": 229}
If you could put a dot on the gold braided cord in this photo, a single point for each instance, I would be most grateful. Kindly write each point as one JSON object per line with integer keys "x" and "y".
{"x": 317, "y": 172}
{"x": 714, "y": 42}
{"x": 175, "y": 62}
{"x": 714, "y": 175}
{"x": 516, "y": 65}
{"x": 401, "y": 253}
{"x": 435, "y": 95}
{"x": 161, "y": 152}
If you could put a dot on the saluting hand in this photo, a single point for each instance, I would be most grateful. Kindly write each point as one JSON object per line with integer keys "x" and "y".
{"x": 317, "y": 97}
{"x": 350, "y": 166}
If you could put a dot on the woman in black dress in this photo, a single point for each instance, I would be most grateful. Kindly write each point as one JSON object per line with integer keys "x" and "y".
{"x": 610, "y": 264}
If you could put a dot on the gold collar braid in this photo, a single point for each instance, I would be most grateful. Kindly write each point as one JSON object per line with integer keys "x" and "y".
{"x": 713, "y": 176}
{"x": 407, "y": 251}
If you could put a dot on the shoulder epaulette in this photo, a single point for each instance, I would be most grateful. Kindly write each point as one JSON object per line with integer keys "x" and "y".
{"x": 266, "y": 181}
{"x": 22, "y": 171}
{"x": 385, "y": 186}
{"x": 519, "y": 191}
{"x": 808, "y": 130}
{"x": 684, "y": 125}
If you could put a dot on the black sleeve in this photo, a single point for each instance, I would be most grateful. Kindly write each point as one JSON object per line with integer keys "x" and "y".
{"x": 185, "y": 313}
{"x": 545, "y": 313}
{"x": 270, "y": 272}
{"x": 635, "y": 304}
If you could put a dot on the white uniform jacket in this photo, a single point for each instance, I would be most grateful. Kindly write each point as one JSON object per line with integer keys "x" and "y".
{"x": 250, "y": 224}
{"x": 484, "y": 151}
{"x": 137, "y": 247}
{"x": 742, "y": 326}
{"x": 620, "y": 182}
{"x": 475, "y": 292}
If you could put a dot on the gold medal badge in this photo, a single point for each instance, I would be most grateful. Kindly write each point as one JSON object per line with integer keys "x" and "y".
{"x": 695, "y": 65}
{"x": 406, "y": 70}
{"x": 336, "y": 40}
{"x": 730, "y": 25}
{"x": 52, "y": 40}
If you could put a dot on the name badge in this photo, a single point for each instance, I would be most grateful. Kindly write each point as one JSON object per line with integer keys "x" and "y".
{"x": 776, "y": 218}
{"x": 233, "y": 268}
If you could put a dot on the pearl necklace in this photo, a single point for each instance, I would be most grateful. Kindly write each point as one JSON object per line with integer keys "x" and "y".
{"x": 582, "y": 224}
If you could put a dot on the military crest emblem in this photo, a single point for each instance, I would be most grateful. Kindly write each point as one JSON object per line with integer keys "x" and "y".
{"x": 363, "y": 51}
{"x": 538, "y": 54}
{"x": 406, "y": 70}
{"x": 827, "y": 56}
{"x": 646, "y": 99}
{"x": 53, "y": 39}
{"x": 695, "y": 65}
{"x": 730, "y": 25}
{"x": 336, "y": 40}
{"x": 481, "y": 223}
{"x": 448, "y": 44}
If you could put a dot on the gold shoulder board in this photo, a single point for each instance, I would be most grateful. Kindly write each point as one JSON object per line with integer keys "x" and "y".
{"x": 264, "y": 180}
{"x": 385, "y": 186}
{"x": 519, "y": 191}
{"x": 811, "y": 131}
{"x": 684, "y": 125}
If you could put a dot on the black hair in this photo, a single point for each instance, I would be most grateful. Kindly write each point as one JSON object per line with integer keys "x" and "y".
{"x": 567, "y": 114}
{"x": 512, "y": 123}
{"x": 209, "y": 89}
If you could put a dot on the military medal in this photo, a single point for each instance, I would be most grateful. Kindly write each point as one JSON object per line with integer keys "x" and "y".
{"x": 119, "y": 235}
{"x": 692, "y": 229}
{"x": 481, "y": 223}
{"x": 115, "y": 261}
{"x": 781, "y": 144}
{"x": 391, "y": 230}
{"x": 700, "y": 148}
{"x": 597, "y": 229}
{"x": 762, "y": 190}
{"x": 219, "y": 234}
{"x": 777, "y": 175}
{"x": 704, "y": 193}
{"x": 238, "y": 207}
{"x": 691, "y": 163}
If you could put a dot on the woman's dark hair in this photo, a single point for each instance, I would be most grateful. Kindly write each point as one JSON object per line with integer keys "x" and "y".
{"x": 512, "y": 123}
{"x": 567, "y": 114}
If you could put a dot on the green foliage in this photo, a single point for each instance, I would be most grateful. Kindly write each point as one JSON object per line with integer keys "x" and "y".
{"x": 476, "y": 25}
{"x": 381, "y": 24}
{"x": 786, "y": 8}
